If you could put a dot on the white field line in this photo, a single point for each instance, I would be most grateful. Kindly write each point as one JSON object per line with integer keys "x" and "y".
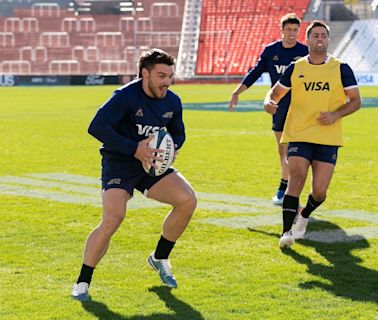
{"x": 46, "y": 184}
{"x": 49, "y": 195}
{"x": 69, "y": 178}
{"x": 69, "y": 188}
{"x": 69, "y": 191}
{"x": 229, "y": 198}
{"x": 325, "y": 236}
{"x": 245, "y": 221}
{"x": 343, "y": 235}
{"x": 352, "y": 215}
{"x": 78, "y": 185}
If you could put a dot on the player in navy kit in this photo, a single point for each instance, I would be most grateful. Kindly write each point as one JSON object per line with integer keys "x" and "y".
{"x": 274, "y": 60}
{"x": 123, "y": 124}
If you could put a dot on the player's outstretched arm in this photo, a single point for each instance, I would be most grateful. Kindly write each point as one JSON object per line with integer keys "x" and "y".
{"x": 235, "y": 96}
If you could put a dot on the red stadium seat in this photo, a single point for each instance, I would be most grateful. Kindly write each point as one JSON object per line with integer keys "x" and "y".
{"x": 233, "y": 33}
{"x": 53, "y": 38}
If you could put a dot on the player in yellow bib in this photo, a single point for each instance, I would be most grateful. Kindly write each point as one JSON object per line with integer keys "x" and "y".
{"x": 323, "y": 90}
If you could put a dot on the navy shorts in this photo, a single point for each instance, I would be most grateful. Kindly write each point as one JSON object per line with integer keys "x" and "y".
{"x": 127, "y": 175}
{"x": 279, "y": 118}
{"x": 313, "y": 151}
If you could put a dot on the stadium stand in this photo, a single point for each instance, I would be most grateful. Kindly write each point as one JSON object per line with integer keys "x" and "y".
{"x": 225, "y": 47}
{"x": 359, "y": 46}
{"x": 15, "y": 67}
{"x": 210, "y": 39}
{"x": 52, "y": 38}
{"x": 7, "y": 39}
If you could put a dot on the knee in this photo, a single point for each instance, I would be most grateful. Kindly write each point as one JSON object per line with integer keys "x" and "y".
{"x": 319, "y": 195}
{"x": 296, "y": 180}
{"x": 111, "y": 222}
{"x": 188, "y": 203}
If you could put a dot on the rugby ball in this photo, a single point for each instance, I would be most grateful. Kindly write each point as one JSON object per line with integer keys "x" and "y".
{"x": 161, "y": 140}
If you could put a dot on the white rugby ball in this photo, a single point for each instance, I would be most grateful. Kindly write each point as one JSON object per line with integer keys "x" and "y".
{"x": 162, "y": 140}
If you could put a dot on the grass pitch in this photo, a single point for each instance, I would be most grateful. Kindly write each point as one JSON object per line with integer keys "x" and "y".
{"x": 227, "y": 263}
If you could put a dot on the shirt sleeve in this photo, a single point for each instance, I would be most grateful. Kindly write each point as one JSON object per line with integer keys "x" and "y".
{"x": 256, "y": 72}
{"x": 347, "y": 77}
{"x": 285, "y": 80}
{"x": 104, "y": 123}
{"x": 176, "y": 127}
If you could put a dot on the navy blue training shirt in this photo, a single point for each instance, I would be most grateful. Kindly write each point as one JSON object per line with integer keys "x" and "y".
{"x": 274, "y": 59}
{"x": 130, "y": 115}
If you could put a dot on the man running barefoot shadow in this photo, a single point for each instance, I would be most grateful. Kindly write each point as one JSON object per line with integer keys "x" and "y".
{"x": 182, "y": 310}
{"x": 345, "y": 275}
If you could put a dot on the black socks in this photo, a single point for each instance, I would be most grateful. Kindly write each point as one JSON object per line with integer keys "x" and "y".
{"x": 283, "y": 185}
{"x": 311, "y": 205}
{"x": 85, "y": 274}
{"x": 289, "y": 211}
{"x": 163, "y": 248}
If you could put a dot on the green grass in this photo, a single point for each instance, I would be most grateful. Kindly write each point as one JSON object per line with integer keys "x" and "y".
{"x": 223, "y": 273}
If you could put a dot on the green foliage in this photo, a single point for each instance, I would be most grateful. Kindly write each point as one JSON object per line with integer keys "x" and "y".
{"x": 223, "y": 273}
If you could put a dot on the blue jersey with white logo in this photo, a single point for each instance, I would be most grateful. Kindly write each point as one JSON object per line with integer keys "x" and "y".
{"x": 274, "y": 59}
{"x": 130, "y": 115}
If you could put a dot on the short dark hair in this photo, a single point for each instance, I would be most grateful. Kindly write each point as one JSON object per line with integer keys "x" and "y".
{"x": 316, "y": 23}
{"x": 149, "y": 58}
{"x": 290, "y": 18}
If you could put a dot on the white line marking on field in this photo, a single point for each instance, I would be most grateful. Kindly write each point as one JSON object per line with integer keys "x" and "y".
{"x": 229, "y": 198}
{"x": 342, "y": 235}
{"x": 66, "y": 186}
{"x": 69, "y": 178}
{"x": 72, "y": 189}
{"x": 352, "y": 215}
{"x": 76, "y": 189}
{"x": 255, "y": 212}
{"x": 245, "y": 222}
{"x": 224, "y": 207}
{"x": 48, "y": 195}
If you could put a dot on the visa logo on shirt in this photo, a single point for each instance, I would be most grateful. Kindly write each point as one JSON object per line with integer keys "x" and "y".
{"x": 280, "y": 68}
{"x": 316, "y": 86}
{"x": 146, "y": 130}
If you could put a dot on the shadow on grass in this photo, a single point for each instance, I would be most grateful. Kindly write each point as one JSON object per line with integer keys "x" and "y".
{"x": 181, "y": 309}
{"x": 345, "y": 276}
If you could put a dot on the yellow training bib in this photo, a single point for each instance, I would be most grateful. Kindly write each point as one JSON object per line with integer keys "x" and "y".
{"x": 315, "y": 89}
